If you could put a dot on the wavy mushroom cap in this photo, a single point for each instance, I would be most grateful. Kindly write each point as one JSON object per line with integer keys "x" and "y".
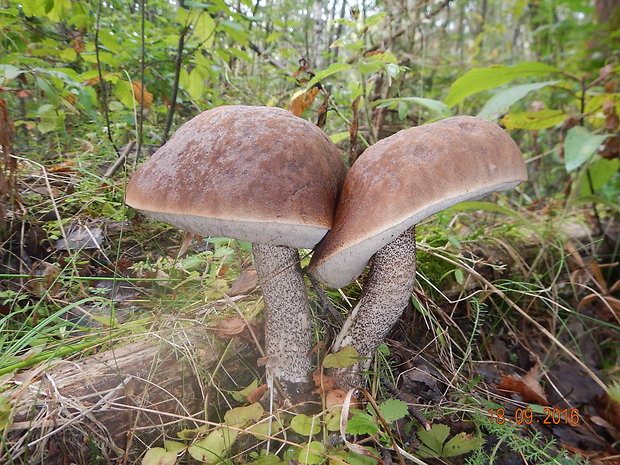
{"x": 407, "y": 177}
{"x": 258, "y": 174}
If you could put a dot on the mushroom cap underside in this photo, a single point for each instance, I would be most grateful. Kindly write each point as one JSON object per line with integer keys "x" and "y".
{"x": 259, "y": 174}
{"x": 402, "y": 179}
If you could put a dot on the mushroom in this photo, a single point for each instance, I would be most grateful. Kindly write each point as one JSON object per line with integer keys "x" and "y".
{"x": 257, "y": 174}
{"x": 395, "y": 184}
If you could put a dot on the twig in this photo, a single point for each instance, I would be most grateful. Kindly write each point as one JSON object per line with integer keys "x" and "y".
{"x": 325, "y": 302}
{"x": 177, "y": 76}
{"x": 104, "y": 94}
{"x": 271, "y": 60}
{"x": 120, "y": 160}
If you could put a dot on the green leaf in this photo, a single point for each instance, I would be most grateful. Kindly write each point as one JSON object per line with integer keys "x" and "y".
{"x": 205, "y": 29}
{"x": 5, "y": 412}
{"x": 461, "y": 444}
{"x": 188, "y": 434}
{"x": 614, "y": 391}
{"x": 196, "y": 84}
{"x": 8, "y": 72}
{"x": 33, "y": 7}
{"x": 393, "y": 409}
{"x": 345, "y": 357}
{"x": 263, "y": 429}
{"x": 159, "y": 456}
{"x": 339, "y": 136}
{"x": 61, "y": 9}
{"x": 600, "y": 171}
{"x": 362, "y": 423}
{"x": 369, "y": 67}
{"x": 173, "y": 446}
{"x": 534, "y": 119}
{"x": 123, "y": 91}
{"x": 437, "y": 106}
{"x": 579, "y": 145}
{"x": 479, "y": 79}
{"x": 433, "y": 440}
{"x": 501, "y": 101}
{"x": 214, "y": 447}
{"x": 268, "y": 460}
{"x": 48, "y": 121}
{"x": 331, "y": 69}
{"x": 241, "y": 396}
{"x": 374, "y": 19}
{"x": 361, "y": 459}
{"x": 241, "y": 416}
{"x": 311, "y": 453}
{"x": 305, "y": 425}
{"x": 235, "y": 31}
{"x": 332, "y": 419}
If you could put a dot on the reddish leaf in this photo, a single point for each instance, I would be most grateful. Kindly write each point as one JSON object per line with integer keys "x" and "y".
{"x": 257, "y": 394}
{"x": 322, "y": 382}
{"x": 335, "y": 398}
{"x": 527, "y": 387}
{"x": 138, "y": 89}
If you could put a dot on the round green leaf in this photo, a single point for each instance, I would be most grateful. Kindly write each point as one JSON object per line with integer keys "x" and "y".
{"x": 159, "y": 456}
{"x": 305, "y": 425}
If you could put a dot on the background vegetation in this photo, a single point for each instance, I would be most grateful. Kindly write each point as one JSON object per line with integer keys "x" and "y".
{"x": 516, "y": 303}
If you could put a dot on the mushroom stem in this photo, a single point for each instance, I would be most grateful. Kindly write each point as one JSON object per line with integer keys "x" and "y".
{"x": 287, "y": 318}
{"x": 384, "y": 297}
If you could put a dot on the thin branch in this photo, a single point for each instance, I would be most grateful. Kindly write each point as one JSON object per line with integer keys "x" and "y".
{"x": 177, "y": 75}
{"x": 104, "y": 94}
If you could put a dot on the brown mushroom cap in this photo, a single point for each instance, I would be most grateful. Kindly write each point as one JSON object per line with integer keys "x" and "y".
{"x": 258, "y": 174}
{"x": 407, "y": 177}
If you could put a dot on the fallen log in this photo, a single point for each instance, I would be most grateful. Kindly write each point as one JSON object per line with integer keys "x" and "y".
{"x": 72, "y": 411}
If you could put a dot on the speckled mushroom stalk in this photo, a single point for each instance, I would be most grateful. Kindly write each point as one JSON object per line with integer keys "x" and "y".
{"x": 287, "y": 319}
{"x": 395, "y": 184}
{"x": 257, "y": 174}
{"x": 387, "y": 289}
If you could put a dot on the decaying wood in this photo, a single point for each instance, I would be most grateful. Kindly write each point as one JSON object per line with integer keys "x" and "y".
{"x": 70, "y": 410}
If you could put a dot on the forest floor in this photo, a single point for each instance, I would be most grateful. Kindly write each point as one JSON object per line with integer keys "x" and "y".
{"x": 508, "y": 347}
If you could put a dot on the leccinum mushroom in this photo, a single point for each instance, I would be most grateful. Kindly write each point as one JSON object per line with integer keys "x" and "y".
{"x": 394, "y": 185}
{"x": 257, "y": 174}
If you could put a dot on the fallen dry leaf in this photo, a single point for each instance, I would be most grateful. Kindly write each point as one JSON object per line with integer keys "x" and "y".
{"x": 318, "y": 346}
{"x": 322, "y": 382}
{"x": 257, "y": 393}
{"x": 188, "y": 237}
{"x": 245, "y": 282}
{"x": 335, "y": 398}
{"x": 230, "y": 326}
{"x": 527, "y": 386}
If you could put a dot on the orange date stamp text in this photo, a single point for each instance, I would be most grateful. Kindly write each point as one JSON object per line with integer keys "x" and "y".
{"x": 526, "y": 416}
